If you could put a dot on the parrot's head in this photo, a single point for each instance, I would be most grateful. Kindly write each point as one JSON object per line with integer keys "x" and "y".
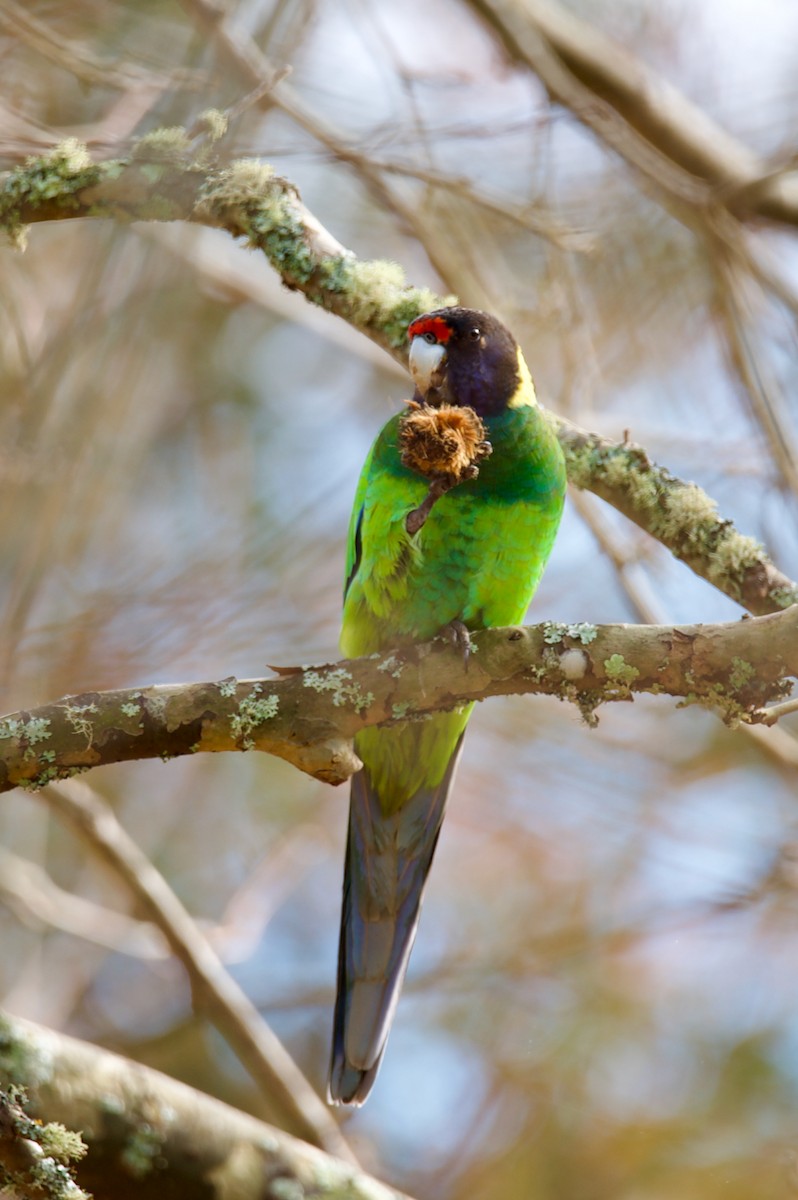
{"x": 468, "y": 358}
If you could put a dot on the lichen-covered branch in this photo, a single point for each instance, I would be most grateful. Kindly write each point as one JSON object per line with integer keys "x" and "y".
{"x": 678, "y": 514}
{"x": 309, "y": 715}
{"x": 165, "y": 179}
{"x": 148, "y": 1135}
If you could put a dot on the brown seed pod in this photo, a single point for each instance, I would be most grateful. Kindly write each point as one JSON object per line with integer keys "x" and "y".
{"x": 445, "y": 442}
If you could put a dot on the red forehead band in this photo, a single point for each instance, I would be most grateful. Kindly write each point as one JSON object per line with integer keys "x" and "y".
{"x": 434, "y": 325}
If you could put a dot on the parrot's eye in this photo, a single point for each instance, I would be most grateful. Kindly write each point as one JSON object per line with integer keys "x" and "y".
{"x": 475, "y": 334}
{"x": 431, "y": 338}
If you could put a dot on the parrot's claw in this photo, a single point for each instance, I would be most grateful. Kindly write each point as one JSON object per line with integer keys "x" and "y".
{"x": 438, "y": 487}
{"x": 458, "y": 634}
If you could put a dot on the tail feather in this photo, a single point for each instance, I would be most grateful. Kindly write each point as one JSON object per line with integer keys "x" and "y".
{"x": 387, "y": 862}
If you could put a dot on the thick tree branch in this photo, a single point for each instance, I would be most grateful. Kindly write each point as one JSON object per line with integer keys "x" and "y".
{"x": 309, "y": 715}
{"x": 161, "y": 181}
{"x": 149, "y": 1135}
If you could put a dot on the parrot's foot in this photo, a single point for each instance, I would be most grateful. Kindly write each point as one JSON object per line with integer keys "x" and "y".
{"x": 457, "y": 633}
{"x": 437, "y": 488}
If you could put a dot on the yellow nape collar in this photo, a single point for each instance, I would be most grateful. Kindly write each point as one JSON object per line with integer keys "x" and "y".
{"x": 525, "y": 392}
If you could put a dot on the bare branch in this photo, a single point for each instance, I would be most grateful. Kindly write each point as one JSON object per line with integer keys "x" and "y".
{"x": 215, "y": 991}
{"x": 636, "y": 112}
{"x": 83, "y": 63}
{"x": 29, "y": 891}
{"x": 764, "y": 395}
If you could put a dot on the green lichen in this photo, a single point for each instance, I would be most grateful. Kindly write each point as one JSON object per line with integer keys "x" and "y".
{"x": 344, "y": 689}
{"x": 257, "y": 204}
{"x": 55, "y": 1180}
{"x": 50, "y": 1151}
{"x": 250, "y": 200}
{"x": 50, "y": 774}
{"x": 169, "y": 145}
{"x": 375, "y": 285}
{"x": 741, "y": 673}
{"x": 684, "y": 516}
{"x": 378, "y": 295}
{"x": 392, "y": 666}
{"x": 619, "y": 670}
{"x": 336, "y": 274}
{"x": 679, "y": 514}
{"x": 228, "y": 687}
{"x": 579, "y": 463}
{"x": 716, "y": 698}
{"x": 21, "y": 1060}
{"x": 62, "y": 1144}
{"x": 155, "y": 703}
{"x": 244, "y": 181}
{"x": 555, "y": 632}
{"x": 76, "y": 715}
{"x": 57, "y": 175}
{"x": 398, "y": 711}
{"x": 142, "y": 1153}
{"x": 253, "y": 710}
{"x": 213, "y": 123}
{"x": 37, "y": 729}
{"x": 731, "y": 558}
{"x": 784, "y": 597}
{"x": 130, "y": 709}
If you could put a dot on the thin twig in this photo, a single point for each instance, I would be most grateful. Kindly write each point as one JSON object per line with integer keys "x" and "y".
{"x": 84, "y": 64}
{"x": 636, "y": 112}
{"x": 767, "y": 404}
{"x": 769, "y": 716}
{"x": 215, "y": 991}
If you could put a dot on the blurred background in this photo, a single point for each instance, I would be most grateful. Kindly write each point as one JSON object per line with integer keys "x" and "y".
{"x": 602, "y": 1001}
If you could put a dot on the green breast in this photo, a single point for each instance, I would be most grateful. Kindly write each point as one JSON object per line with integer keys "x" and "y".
{"x": 482, "y": 550}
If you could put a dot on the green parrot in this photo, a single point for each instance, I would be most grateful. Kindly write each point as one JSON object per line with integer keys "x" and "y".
{"x": 475, "y": 562}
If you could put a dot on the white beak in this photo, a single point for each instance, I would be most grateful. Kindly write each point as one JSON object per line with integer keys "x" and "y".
{"x": 425, "y": 359}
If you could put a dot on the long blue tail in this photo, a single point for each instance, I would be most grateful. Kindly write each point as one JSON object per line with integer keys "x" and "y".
{"x": 387, "y": 862}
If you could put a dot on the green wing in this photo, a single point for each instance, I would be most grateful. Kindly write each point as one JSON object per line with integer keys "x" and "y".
{"x": 354, "y": 541}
